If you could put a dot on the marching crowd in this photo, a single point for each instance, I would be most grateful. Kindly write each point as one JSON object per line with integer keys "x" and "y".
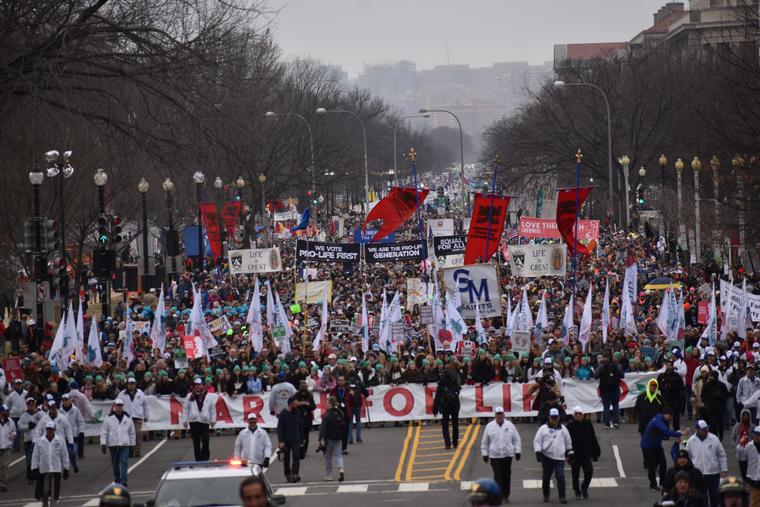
{"x": 711, "y": 383}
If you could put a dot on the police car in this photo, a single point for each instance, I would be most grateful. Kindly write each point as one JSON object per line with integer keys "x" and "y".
{"x": 207, "y": 483}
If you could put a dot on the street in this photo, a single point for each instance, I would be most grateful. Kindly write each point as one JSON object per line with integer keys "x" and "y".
{"x": 393, "y": 465}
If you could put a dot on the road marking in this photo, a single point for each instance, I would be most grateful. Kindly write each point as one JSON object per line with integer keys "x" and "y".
{"x": 33, "y": 504}
{"x": 16, "y": 462}
{"x": 353, "y": 488}
{"x": 619, "y": 462}
{"x": 465, "y": 485}
{"x": 92, "y": 502}
{"x": 412, "y": 454}
{"x": 596, "y": 483}
{"x": 291, "y": 491}
{"x": 400, "y": 466}
{"x": 460, "y": 449}
{"x": 148, "y": 455}
{"x": 409, "y": 487}
{"x": 466, "y": 454}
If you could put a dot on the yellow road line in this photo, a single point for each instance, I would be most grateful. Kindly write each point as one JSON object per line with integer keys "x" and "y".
{"x": 435, "y": 454}
{"x": 462, "y": 443}
{"x": 412, "y": 454}
{"x": 432, "y": 461}
{"x": 466, "y": 454}
{"x": 400, "y": 466}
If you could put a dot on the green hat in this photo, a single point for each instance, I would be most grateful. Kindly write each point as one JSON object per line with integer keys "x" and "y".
{"x": 196, "y": 377}
{"x": 425, "y": 362}
{"x": 466, "y": 360}
{"x": 648, "y": 360}
{"x": 536, "y": 360}
{"x": 265, "y": 367}
{"x": 378, "y": 366}
{"x": 180, "y": 372}
{"x": 568, "y": 360}
{"x": 98, "y": 378}
{"x": 245, "y": 368}
{"x": 209, "y": 380}
{"x": 314, "y": 368}
{"x": 618, "y": 354}
{"x": 631, "y": 361}
{"x": 236, "y": 368}
{"x": 509, "y": 357}
{"x": 439, "y": 362}
{"x": 586, "y": 358}
{"x": 341, "y": 361}
{"x": 497, "y": 357}
{"x": 301, "y": 364}
{"x": 148, "y": 375}
{"x": 253, "y": 369}
{"x": 229, "y": 332}
{"x": 131, "y": 374}
{"x": 277, "y": 361}
{"x": 218, "y": 371}
{"x": 481, "y": 351}
{"x": 207, "y": 370}
{"x": 88, "y": 377}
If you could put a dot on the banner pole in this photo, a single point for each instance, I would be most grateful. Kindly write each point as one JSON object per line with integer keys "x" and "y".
{"x": 490, "y": 208}
{"x": 578, "y": 158}
{"x": 413, "y": 156}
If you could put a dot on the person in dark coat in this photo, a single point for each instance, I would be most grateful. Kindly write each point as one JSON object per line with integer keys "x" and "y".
{"x": 290, "y": 436}
{"x": 446, "y": 402}
{"x": 683, "y": 464}
{"x": 648, "y": 404}
{"x": 683, "y": 493}
{"x": 610, "y": 374}
{"x": 587, "y": 450}
{"x": 345, "y": 397}
{"x": 714, "y": 396}
{"x": 482, "y": 369}
{"x": 673, "y": 392}
{"x": 306, "y": 406}
{"x": 552, "y": 401}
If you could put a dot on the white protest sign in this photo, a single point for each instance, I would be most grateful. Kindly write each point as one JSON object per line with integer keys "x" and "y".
{"x": 265, "y": 260}
{"x": 477, "y": 284}
{"x": 530, "y": 261}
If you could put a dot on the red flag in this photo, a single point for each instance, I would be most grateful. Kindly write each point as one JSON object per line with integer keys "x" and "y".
{"x": 480, "y": 233}
{"x": 394, "y": 209}
{"x": 230, "y": 215}
{"x": 567, "y": 213}
{"x": 211, "y": 223}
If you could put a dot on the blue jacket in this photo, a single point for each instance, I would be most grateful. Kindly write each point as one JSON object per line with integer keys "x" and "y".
{"x": 656, "y": 431}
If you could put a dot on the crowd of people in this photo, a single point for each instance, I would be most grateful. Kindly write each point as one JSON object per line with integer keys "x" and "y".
{"x": 714, "y": 383}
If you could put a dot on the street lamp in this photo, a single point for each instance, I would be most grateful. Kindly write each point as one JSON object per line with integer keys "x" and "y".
{"x": 463, "y": 189}
{"x": 738, "y": 164}
{"x": 715, "y": 166}
{"x": 36, "y": 177}
{"x": 101, "y": 178}
{"x": 679, "y": 165}
{"x": 263, "y": 180}
{"x": 172, "y": 241}
{"x": 322, "y": 110}
{"x": 696, "y": 166}
{"x": 272, "y": 114}
{"x": 626, "y": 163}
{"x": 562, "y": 84}
{"x": 663, "y": 163}
{"x": 60, "y": 168}
{"x": 143, "y": 188}
{"x": 199, "y": 178}
{"x": 218, "y": 183}
{"x": 395, "y": 150}
{"x": 642, "y": 171}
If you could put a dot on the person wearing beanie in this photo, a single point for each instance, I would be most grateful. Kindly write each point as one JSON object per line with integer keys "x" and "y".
{"x": 683, "y": 464}
{"x": 683, "y": 493}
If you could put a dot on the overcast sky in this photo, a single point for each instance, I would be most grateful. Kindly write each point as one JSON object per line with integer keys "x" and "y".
{"x": 476, "y": 32}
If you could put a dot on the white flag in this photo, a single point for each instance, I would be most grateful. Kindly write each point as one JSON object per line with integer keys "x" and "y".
{"x": 282, "y": 317}
{"x": 524, "y": 318}
{"x": 454, "y": 322}
{"x": 743, "y": 321}
{"x": 129, "y": 329}
{"x": 197, "y": 326}
{"x": 271, "y": 319}
{"x": 711, "y": 330}
{"x": 323, "y": 324}
{"x": 509, "y": 314}
{"x": 629, "y": 284}
{"x": 70, "y": 334}
{"x": 664, "y": 316}
{"x": 385, "y": 328}
{"x": 79, "y": 350}
{"x": 56, "y": 350}
{"x": 365, "y": 326}
{"x": 253, "y": 319}
{"x": 681, "y": 316}
{"x": 439, "y": 318}
{"x": 585, "y": 327}
{"x": 567, "y": 321}
{"x": 158, "y": 329}
{"x": 542, "y": 319}
{"x": 479, "y": 331}
{"x": 627, "y": 321}
{"x": 606, "y": 312}
{"x": 94, "y": 356}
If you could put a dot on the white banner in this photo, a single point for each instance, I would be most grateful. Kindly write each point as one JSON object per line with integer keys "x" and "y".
{"x": 285, "y": 216}
{"x": 387, "y": 403}
{"x": 530, "y": 261}
{"x": 729, "y": 294}
{"x": 265, "y": 260}
{"x": 442, "y": 226}
{"x": 316, "y": 291}
{"x": 478, "y": 284}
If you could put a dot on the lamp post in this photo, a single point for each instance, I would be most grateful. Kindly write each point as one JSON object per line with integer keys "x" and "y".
{"x": 625, "y": 162}
{"x": 219, "y": 186}
{"x": 101, "y": 178}
{"x": 663, "y": 163}
{"x": 738, "y": 164}
{"x": 679, "y": 165}
{"x": 199, "y": 178}
{"x": 263, "y": 180}
{"x": 313, "y": 167}
{"x": 143, "y": 188}
{"x": 715, "y": 166}
{"x": 696, "y": 165}
{"x": 60, "y": 168}
{"x": 322, "y": 110}
{"x": 463, "y": 189}
{"x": 591, "y": 200}
{"x": 36, "y": 177}
{"x": 240, "y": 184}
{"x": 562, "y": 84}
{"x": 395, "y": 149}
{"x": 172, "y": 240}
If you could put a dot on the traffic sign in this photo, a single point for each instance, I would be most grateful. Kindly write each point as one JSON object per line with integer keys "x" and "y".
{"x": 43, "y": 292}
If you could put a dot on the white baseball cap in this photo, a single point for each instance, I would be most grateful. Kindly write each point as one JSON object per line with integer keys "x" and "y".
{"x": 65, "y": 396}
{"x": 118, "y": 401}
{"x": 251, "y": 416}
{"x": 197, "y": 381}
{"x": 547, "y": 360}
{"x": 131, "y": 380}
{"x": 498, "y": 410}
{"x": 50, "y": 425}
{"x": 51, "y": 403}
{"x": 553, "y": 412}
{"x": 702, "y": 425}
{"x": 577, "y": 410}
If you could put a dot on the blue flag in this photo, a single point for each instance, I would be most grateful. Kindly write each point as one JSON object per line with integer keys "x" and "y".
{"x": 303, "y": 223}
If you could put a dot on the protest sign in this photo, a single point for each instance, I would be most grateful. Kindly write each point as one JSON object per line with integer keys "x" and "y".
{"x": 12, "y": 368}
{"x": 316, "y": 290}
{"x": 531, "y": 227}
{"x": 530, "y": 261}
{"x": 449, "y": 245}
{"x": 441, "y": 226}
{"x": 393, "y": 252}
{"x": 477, "y": 285}
{"x": 327, "y": 252}
{"x": 264, "y": 260}
{"x": 219, "y": 327}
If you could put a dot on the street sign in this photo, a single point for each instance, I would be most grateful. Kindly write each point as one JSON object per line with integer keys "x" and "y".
{"x": 43, "y": 292}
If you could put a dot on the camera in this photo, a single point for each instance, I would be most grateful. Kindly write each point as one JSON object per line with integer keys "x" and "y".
{"x": 321, "y": 447}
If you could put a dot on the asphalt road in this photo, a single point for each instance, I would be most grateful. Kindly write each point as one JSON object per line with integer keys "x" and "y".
{"x": 394, "y": 465}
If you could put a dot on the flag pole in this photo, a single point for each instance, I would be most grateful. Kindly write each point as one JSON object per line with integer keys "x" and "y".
{"x": 413, "y": 156}
{"x": 578, "y": 159}
{"x": 496, "y": 163}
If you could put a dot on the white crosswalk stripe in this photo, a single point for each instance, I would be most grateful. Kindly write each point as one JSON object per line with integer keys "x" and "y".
{"x": 409, "y": 487}
{"x": 293, "y": 491}
{"x": 595, "y": 483}
{"x": 353, "y": 488}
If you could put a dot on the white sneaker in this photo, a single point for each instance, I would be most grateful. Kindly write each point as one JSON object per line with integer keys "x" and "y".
{"x": 341, "y": 476}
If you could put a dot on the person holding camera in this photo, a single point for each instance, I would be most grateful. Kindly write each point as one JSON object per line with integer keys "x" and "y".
{"x": 330, "y": 438}
{"x": 289, "y": 437}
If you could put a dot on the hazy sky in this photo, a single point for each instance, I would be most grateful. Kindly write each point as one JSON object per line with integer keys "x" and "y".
{"x": 476, "y": 32}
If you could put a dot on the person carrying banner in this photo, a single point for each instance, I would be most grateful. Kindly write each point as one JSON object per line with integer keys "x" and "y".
{"x": 500, "y": 444}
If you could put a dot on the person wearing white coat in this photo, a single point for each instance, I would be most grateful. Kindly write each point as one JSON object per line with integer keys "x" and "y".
{"x": 708, "y": 455}
{"x": 50, "y": 460}
{"x": 136, "y": 405}
{"x": 117, "y": 434}
{"x": 200, "y": 414}
{"x": 27, "y": 424}
{"x": 62, "y": 426}
{"x": 81, "y": 402}
{"x": 76, "y": 421}
{"x": 16, "y": 403}
{"x": 553, "y": 446}
{"x": 7, "y": 438}
{"x": 501, "y": 442}
{"x": 253, "y": 445}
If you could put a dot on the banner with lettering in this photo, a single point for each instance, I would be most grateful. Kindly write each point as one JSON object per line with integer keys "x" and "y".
{"x": 327, "y": 252}
{"x": 408, "y": 402}
{"x": 261, "y": 260}
{"x": 211, "y": 226}
{"x": 531, "y": 228}
{"x": 407, "y": 251}
{"x": 530, "y": 261}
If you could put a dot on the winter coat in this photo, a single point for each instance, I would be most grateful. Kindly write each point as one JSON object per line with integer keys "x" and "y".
{"x": 115, "y": 433}
{"x": 28, "y": 424}
{"x": 736, "y": 433}
{"x": 553, "y": 443}
{"x": 7, "y": 433}
{"x": 16, "y": 402}
{"x": 672, "y": 389}
{"x": 656, "y": 431}
{"x": 290, "y": 428}
{"x": 62, "y": 427}
{"x": 136, "y": 405}
{"x": 333, "y": 425}
{"x": 50, "y": 456}
{"x": 707, "y": 454}
{"x": 645, "y": 410}
{"x": 610, "y": 374}
{"x": 584, "y": 439}
{"x": 76, "y": 421}
{"x": 695, "y": 477}
{"x": 500, "y": 441}
{"x": 714, "y": 396}
{"x": 253, "y": 446}
{"x": 207, "y": 413}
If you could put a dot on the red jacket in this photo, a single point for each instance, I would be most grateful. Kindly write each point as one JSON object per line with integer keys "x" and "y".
{"x": 346, "y": 402}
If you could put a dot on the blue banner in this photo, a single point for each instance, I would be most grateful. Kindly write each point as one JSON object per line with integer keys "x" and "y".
{"x": 365, "y": 237}
{"x": 190, "y": 240}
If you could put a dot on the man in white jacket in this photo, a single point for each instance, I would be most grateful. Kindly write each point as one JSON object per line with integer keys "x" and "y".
{"x": 708, "y": 455}
{"x": 501, "y": 442}
{"x": 200, "y": 414}
{"x": 136, "y": 405}
{"x": 553, "y": 446}
{"x": 76, "y": 421}
{"x": 50, "y": 460}
{"x": 118, "y": 435}
{"x": 16, "y": 403}
{"x": 62, "y": 426}
{"x": 7, "y": 439}
{"x": 27, "y": 424}
{"x": 253, "y": 445}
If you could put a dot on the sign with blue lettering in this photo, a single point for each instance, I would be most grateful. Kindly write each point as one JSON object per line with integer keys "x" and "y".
{"x": 477, "y": 284}
{"x": 365, "y": 237}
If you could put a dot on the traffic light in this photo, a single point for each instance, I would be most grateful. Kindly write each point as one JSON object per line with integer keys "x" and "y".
{"x": 29, "y": 235}
{"x": 640, "y": 194}
{"x": 103, "y": 232}
{"x": 115, "y": 230}
{"x": 51, "y": 238}
{"x": 172, "y": 243}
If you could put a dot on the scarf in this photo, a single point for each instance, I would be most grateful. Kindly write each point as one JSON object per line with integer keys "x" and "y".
{"x": 652, "y": 395}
